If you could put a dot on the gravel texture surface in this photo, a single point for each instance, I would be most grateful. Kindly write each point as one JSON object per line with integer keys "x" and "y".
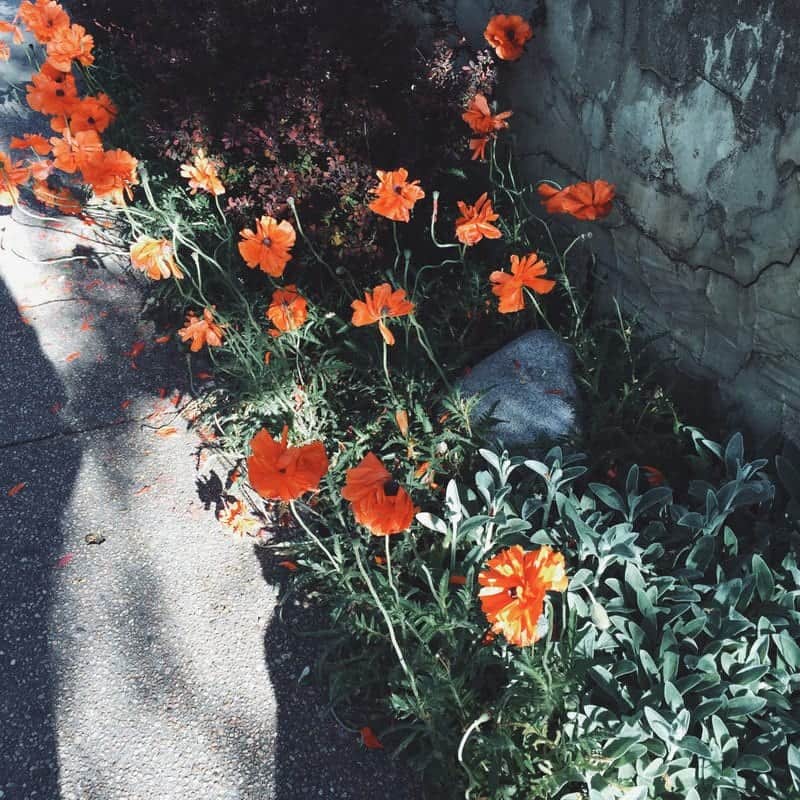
{"x": 140, "y": 654}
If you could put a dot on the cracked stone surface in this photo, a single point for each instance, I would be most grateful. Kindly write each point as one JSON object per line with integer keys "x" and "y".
{"x": 153, "y": 665}
{"x": 691, "y": 109}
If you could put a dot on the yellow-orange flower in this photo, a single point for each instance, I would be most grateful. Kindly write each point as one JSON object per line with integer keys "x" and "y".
{"x": 111, "y": 174}
{"x": 70, "y": 43}
{"x": 201, "y": 330}
{"x": 280, "y": 472}
{"x": 514, "y": 584}
{"x": 12, "y": 175}
{"x": 586, "y": 201}
{"x": 395, "y": 195}
{"x": 43, "y": 18}
{"x": 525, "y": 272}
{"x": 267, "y": 247}
{"x": 507, "y": 34}
{"x": 480, "y": 119}
{"x": 87, "y": 114}
{"x": 202, "y": 174}
{"x": 377, "y": 305}
{"x": 475, "y": 221}
{"x": 287, "y": 311}
{"x": 51, "y": 92}
{"x": 379, "y": 503}
{"x": 155, "y": 257}
{"x": 39, "y": 144}
{"x": 72, "y": 153}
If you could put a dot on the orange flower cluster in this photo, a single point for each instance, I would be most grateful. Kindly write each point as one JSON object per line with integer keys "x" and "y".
{"x": 475, "y": 222}
{"x": 287, "y": 311}
{"x": 280, "y": 472}
{"x": 53, "y": 92}
{"x": 201, "y": 330}
{"x": 379, "y": 503}
{"x": 514, "y": 584}
{"x": 507, "y": 34}
{"x": 202, "y": 174}
{"x": 155, "y": 257}
{"x": 586, "y": 201}
{"x": 267, "y": 247}
{"x": 395, "y": 195}
{"x": 377, "y": 305}
{"x": 525, "y": 272}
{"x": 482, "y": 122}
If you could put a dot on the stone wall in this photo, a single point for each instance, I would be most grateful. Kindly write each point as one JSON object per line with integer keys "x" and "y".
{"x": 691, "y": 108}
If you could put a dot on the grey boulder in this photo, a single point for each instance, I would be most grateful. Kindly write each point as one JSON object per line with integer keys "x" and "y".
{"x": 526, "y": 393}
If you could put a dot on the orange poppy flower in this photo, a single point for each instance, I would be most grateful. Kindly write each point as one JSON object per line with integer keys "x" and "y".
{"x": 527, "y": 271}
{"x": 111, "y": 174}
{"x": 9, "y": 27}
{"x": 12, "y": 175}
{"x": 287, "y": 311}
{"x": 41, "y": 170}
{"x": 478, "y": 147}
{"x": 201, "y": 330}
{"x": 39, "y": 144}
{"x": 280, "y": 472}
{"x": 586, "y": 201}
{"x": 379, "y": 503}
{"x": 70, "y": 43}
{"x": 43, "y": 18}
{"x": 479, "y": 116}
{"x": 155, "y": 257}
{"x": 87, "y": 114}
{"x": 52, "y": 93}
{"x": 379, "y": 304}
{"x": 514, "y": 585}
{"x": 5, "y": 51}
{"x": 365, "y": 479}
{"x": 234, "y": 516}
{"x": 507, "y": 34}
{"x": 395, "y": 195}
{"x": 475, "y": 221}
{"x": 387, "y": 512}
{"x": 202, "y": 174}
{"x": 268, "y": 246}
{"x": 71, "y": 153}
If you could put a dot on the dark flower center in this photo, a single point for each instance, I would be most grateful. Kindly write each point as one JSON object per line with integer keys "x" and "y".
{"x": 398, "y": 189}
{"x": 91, "y": 120}
{"x": 391, "y": 488}
{"x": 511, "y": 34}
{"x": 59, "y": 92}
{"x": 266, "y": 241}
{"x": 513, "y": 592}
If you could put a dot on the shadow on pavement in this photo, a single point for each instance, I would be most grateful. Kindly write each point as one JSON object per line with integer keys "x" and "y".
{"x": 314, "y": 756}
{"x": 30, "y": 541}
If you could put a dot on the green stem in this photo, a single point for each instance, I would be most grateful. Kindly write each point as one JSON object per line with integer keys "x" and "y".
{"x": 313, "y": 536}
{"x": 426, "y": 346}
{"x": 410, "y": 675}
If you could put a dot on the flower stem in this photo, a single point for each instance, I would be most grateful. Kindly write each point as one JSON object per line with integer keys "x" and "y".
{"x": 313, "y": 536}
{"x": 410, "y": 675}
{"x": 426, "y": 346}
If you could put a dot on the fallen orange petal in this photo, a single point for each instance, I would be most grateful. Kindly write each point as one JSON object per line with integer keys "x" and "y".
{"x": 14, "y": 490}
{"x": 85, "y": 326}
{"x": 168, "y": 431}
{"x": 93, "y": 284}
{"x": 145, "y": 488}
{"x": 162, "y": 392}
{"x": 163, "y": 339}
{"x": 370, "y": 740}
{"x": 124, "y": 404}
{"x": 458, "y": 580}
{"x": 73, "y": 356}
{"x": 137, "y": 348}
{"x": 204, "y": 376}
{"x": 290, "y": 565}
